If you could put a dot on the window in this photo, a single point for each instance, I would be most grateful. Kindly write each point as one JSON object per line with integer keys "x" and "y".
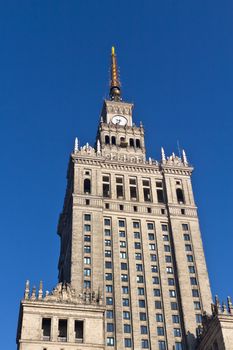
{"x": 171, "y": 281}
{"x": 108, "y": 253}
{"x": 155, "y": 280}
{"x": 151, "y": 237}
{"x": 78, "y": 330}
{"x": 128, "y": 342}
{"x": 122, "y": 244}
{"x": 108, "y": 288}
{"x": 165, "y": 238}
{"x": 121, "y": 223}
{"x": 158, "y": 304}
{"x": 160, "y": 196}
{"x": 107, "y": 242}
{"x": 145, "y": 344}
{"x": 174, "y": 305}
{"x": 142, "y": 316}
{"x": 149, "y": 210}
{"x": 168, "y": 258}
{"x": 160, "y": 330}
{"x": 107, "y": 222}
{"x": 113, "y": 140}
{"x": 107, "y": 232}
{"x": 123, "y": 255}
{"x": 110, "y": 327}
{"x": 191, "y": 269}
{"x": 185, "y": 227}
{"x": 164, "y": 227}
{"x": 87, "y": 201}
{"x": 137, "y": 235}
{"x": 87, "y": 228}
{"x": 108, "y": 264}
{"x": 189, "y": 258}
{"x": 167, "y": 248}
{"x": 87, "y": 186}
{"x": 124, "y": 266}
{"x": 169, "y": 269}
{"x": 87, "y": 238}
{"x": 186, "y": 237}
{"x": 159, "y": 317}
{"x": 135, "y": 208}
{"x": 109, "y": 314}
{"x": 144, "y": 330}
{"x": 180, "y": 195}
{"x": 150, "y": 226}
{"x": 125, "y": 290}
{"x": 151, "y": 246}
{"x": 156, "y": 292}
{"x": 139, "y": 267}
{"x": 108, "y": 276}
{"x": 87, "y": 217}
{"x": 46, "y": 328}
{"x": 198, "y": 318}
{"x": 195, "y": 293}
{"x": 109, "y": 301}
{"x": 178, "y": 346}
{"x": 140, "y": 279}
{"x": 133, "y": 188}
{"x": 188, "y": 247}
{"x": 193, "y": 281}
{"x": 183, "y": 211}
{"x": 127, "y": 328}
{"x": 146, "y": 190}
{"x": 126, "y": 315}
{"x": 137, "y": 143}
{"x": 131, "y": 142}
{"x": 197, "y": 305}
{"x": 119, "y": 187}
{"x": 124, "y": 277}
{"x": 87, "y": 272}
{"x": 154, "y": 268}
{"x": 62, "y": 330}
{"x": 136, "y": 224}
{"x": 107, "y": 139}
{"x": 106, "y": 205}
{"x": 162, "y": 345}
{"x": 106, "y": 186}
{"x": 141, "y": 303}
{"x": 87, "y": 260}
{"x": 87, "y": 284}
{"x": 125, "y": 302}
{"x": 172, "y": 293}
{"x": 141, "y": 291}
{"x": 87, "y": 249}
{"x": 121, "y": 207}
{"x": 177, "y": 332}
{"x": 121, "y": 233}
{"x": 137, "y": 245}
{"x": 153, "y": 257}
{"x": 175, "y": 319}
{"x": 138, "y": 256}
{"x": 110, "y": 341}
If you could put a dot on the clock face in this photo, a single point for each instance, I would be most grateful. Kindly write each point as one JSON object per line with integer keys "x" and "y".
{"x": 119, "y": 119}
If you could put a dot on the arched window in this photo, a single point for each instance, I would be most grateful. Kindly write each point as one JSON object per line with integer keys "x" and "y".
{"x": 180, "y": 195}
{"x": 113, "y": 140}
{"x": 138, "y": 143}
{"x": 87, "y": 186}
{"x": 131, "y": 142}
{"x": 107, "y": 140}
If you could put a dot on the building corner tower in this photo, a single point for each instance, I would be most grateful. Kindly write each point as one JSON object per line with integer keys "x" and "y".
{"x": 132, "y": 271}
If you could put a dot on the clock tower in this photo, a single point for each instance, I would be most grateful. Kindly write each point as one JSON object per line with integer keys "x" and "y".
{"x": 118, "y": 136}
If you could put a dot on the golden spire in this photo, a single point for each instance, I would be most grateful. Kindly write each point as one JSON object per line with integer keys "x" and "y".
{"x": 115, "y": 85}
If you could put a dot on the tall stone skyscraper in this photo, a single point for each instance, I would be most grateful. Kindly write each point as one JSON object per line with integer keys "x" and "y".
{"x": 132, "y": 271}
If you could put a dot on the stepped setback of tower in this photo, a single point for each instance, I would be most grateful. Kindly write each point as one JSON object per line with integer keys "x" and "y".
{"x": 132, "y": 271}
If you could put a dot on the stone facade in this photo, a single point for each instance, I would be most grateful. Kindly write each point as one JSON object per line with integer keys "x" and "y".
{"x": 129, "y": 230}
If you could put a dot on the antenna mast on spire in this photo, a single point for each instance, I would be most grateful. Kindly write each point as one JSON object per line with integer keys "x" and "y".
{"x": 115, "y": 84}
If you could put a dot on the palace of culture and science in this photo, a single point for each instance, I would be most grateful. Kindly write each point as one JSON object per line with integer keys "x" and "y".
{"x": 132, "y": 271}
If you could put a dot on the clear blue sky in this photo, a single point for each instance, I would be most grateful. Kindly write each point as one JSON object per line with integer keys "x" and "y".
{"x": 176, "y": 65}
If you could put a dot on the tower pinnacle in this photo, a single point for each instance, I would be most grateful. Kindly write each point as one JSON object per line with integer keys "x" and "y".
{"x": 115, "y": 85}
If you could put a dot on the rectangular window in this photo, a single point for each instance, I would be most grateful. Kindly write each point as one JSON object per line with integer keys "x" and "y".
{"x": 133, "y": 188}
{"x": 87, "y": 249}
{"x": 108, "y": 264}
{"x": 185, "y": 227}
{"x": 188, "y": 247}
{"x": 86, "y": 284}
{"x": 110, "y": 341}
{"x": 119, "y": 187}
{"x": 107, "y": 222}
{"x": 108, "y": 288}
{"x": 186, "y": 237}
{"x": 137, "y": 245}
{"x": 138, "y": 256}
{"x": 46, "y": 328}
{"x": 109, "y": 301}
{"x": 146, "y": 190}
{"x": 139, "y": 267}
{"x": 193, "y": 281}
{"x": 151, "y": 246}
{"x": 197, "y": 305}
{"x": 169, "y": 269}
{"x": 144, "y": 330}
{"x": 191, "y": 269}
{"x": 87, "y": 228}
{"x": 151, "y": 237}
{"x": 167, "y": 248}
{"x": 137, "y": 235}
{"x": 128, "y": 342}
{"x": 62, "y": 330}
{"x": 123, "y": 255}
{"x": 195, "y": 293}
{"x": 108, "y": 277}
{"x": 172, "y": 293}
{"x": 140, "y": 279}
{"x": 110, "y": 327}
{"x": 107, "y": 232}
{"x": 164, "y": 227}
{"x": 108, "y": 253}
{"x": 155, "y": 280}
{"x": 162, "y": 345}
{"x": 177, "y": 332}
{"x": 150, "y": 226}
{"x": 142, "y": 316}
{"x": 141, "y": 303}
{"x": 87, "y": 238}
{"x": 106, "y": 186}
{"x": 126, "y": 315}
{"x": 174, "y": 305}
{"x": 189, "y": 258}
{"x": 160, "y": 196}
{"x": 158, "y": 304}
{"x": 121, "y": 223}
{"x": 125, "y": 302}
{"x": 198, "y": 318}
{"x": 107, "y": 243}
{"x": 159, "y": 317}
{"x": 175, "y": 319}
{"x": 160, "y": 330}
{"x": 122, "y": 244}
{"x": 141, "y": 291}
{"x": 178, "y": 346}
{"x": 121, "y": 233}
{"x": 87, "y": 260}
{"x": 154, "y": 268}
{"x": 124, "y": 266}
{"x": 109, "y": 314}
{"x": 165, "y": 238}
{"x": 153, "y": 257}
{"x": 87, "y": 217}
{"x": 124, "y": 277}
{"x": 145, "y": 344}
{"x": 78, "y": 330}
{"x": 127, "y": 328}
{"x": 125, "y": 289}
{"x": 171, "y": 281}
{"x": 168, "y": 258}
{"x": 87, "y": 272}
{"x": 156, "y": 292}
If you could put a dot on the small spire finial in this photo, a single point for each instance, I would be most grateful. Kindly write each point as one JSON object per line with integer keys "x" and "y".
{"x": 163, "y": 155}
{"x": 76, "y": 145}
{"x": 40, "y": 292}
{"x": 27, "y": 290}
{"x": 115, "y": 85}
{"x": 98, "y": 147}
{"x": 185, "y": 161}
